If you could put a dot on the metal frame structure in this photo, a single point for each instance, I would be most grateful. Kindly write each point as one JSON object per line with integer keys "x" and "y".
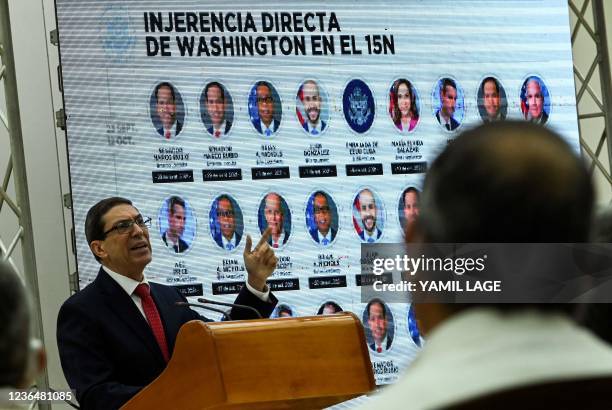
{"x": 603, "y": 96}
{"x": 16, "y": 168}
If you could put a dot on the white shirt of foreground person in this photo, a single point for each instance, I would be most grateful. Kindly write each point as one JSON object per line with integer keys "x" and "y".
{"x": 481, "y": 351}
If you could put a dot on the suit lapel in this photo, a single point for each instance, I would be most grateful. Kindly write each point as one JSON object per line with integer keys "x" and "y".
{"x": 126, "y": 311}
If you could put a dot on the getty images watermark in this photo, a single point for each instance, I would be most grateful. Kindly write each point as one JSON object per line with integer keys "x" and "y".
{"x": 487, "y": 273}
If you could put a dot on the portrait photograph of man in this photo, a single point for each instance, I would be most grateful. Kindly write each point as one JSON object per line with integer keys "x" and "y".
{"x": 167, "y": 110}
{"x": 379, "y": 325}
{"x": 283, "y": 310}
{"x": 409, "y": 207}
{"x": 311, "y": 108}
{"x": 447, "y": 101}
{"x": 216, "y": 109}
{"x": 368, "y": 216}
{"x": 226, "y": 223}
{"x": 329, "y": 308}
{"x": 535, "y": 100}
{"x": 358, "y": 106}
{"x": 492, "y": 103}
{"x": 176, "y": 224}
{"x": 322, "y": 218}
{"x": 274, "y": 213}
{"x": 265, "y": 109}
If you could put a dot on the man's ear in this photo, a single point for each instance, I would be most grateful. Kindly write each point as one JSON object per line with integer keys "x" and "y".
{"x": 97, "y": 247}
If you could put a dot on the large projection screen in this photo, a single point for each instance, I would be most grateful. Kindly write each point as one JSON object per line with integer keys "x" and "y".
{"x": 312, "y": 117}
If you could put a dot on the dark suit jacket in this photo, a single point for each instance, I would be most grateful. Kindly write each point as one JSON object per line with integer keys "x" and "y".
{"x": 378, "y": 234}
{"x": 179, "y": 127}
{"x": 315, "y": 236}
{"x": 305, "y": 126}
{"x": 180, "y": 247}
{"x": 454, "y": 124}
{"x": 219, "y": 241}
{"x": 389, "y": 341}
{"x": 107, "y": 349}
{"x": 257, "y": 125}
{"x": 228, "y": 126}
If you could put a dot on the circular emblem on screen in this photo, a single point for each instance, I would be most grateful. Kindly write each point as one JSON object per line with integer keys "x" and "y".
{"x": 358, "y": 106}
{"x": 118, "y": 36}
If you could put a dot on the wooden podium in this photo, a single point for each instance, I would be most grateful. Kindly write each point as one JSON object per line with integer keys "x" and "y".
{"x": 291, "y": 363}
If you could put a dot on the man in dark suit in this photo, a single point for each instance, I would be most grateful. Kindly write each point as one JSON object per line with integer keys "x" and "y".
{"x": 165, "y": 106}
{"x": 275, "y": 220}
{"x": 214, "y": 98}
{"x": 117, "y": 335}
{"x": 448, "y": 103}
{"x": 176, "y": 225}
{"x": 378, "y": 324}
{"x": 535, "y": 102}
{"x": 266, "y": 124}
{"x": 311, "y": 99}
{"x": 368, "y": 211}
{"x": 322, "y": 233}
{"x": 225, "y": 234}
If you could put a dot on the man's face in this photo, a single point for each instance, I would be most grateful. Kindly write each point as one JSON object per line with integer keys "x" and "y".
{"x": 377, "y": 322}
{"x": 176, "y": 220}
{"x": 226, "y": 218}
{"x": 265, "y": 104}
{"x": 491, "y": 99}
{"x": 128, "y": 252}
{"x": 312, "y": 101}
{"x": 535, "y": 100}
{"x": 322, "y": 213}
{"x": 329, "y": 310}
{"x": 367, "y": 210}
{"x": 411, "y": 207}
{"x": 215, "y": 105}
{"x": 449, "y": 100}
{"x": 166, "y": 108}
{"x": 274, "y": 214}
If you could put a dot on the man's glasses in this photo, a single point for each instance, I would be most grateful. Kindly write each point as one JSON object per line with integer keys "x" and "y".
{"x": 266, "y": 100}
{"x": 126, "y": 225}
{"x": 321, "y": 209}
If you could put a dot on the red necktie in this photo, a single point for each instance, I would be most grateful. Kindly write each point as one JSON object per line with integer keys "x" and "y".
{"x": 168, "y": 135}
{"x": 150, "y": 310}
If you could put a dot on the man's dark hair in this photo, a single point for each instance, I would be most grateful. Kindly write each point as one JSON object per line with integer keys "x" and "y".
{"x": 330, "y": 303}
{"x": 94, "y": 223}
{"x": 447, "y": 82}
{"x": 175, "y": 200}
{"x": 14, "y": 328}
{"x": 284, "y": 308}
{"x": 214, "y": 84}
{"x": 377, "y": 301}
{"x": 165, "y": 84}
{"x": 486, "y": 80}
{"x": 507, "y": 182}
{"x": 265, "y": 84}
{"x": 410, "y": 189}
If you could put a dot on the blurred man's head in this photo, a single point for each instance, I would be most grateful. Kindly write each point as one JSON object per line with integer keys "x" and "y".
{"x": 265, "y": 103}
{"x": 20, "y": 361}
{"x": 367, "y": 210}
{"x": 273, "y": 212}
{"x": 176, "y": 217}
{"x": 448, "y": 97}
{"x": 535, "y": 99}
{"x": 165, "y": 104}
{"x": 312, "y": 101}
{"x": 377, "y": 320}
{"x": 322, "y": 212}
{"x": 226, "y": 217}
{"x": 215, "y": 103}
{"x": 411, "y": 205}
{"x": 524, "y": 184}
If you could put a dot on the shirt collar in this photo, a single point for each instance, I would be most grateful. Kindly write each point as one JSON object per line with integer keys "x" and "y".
{"x": 225, "y": 241}
{"x": 127, "y": 284}
{"x": 321, "y": 236}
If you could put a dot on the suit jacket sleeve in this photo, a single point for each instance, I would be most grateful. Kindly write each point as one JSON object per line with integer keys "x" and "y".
{"x": 85, "y": 364}
{"x": 247, "y": 298}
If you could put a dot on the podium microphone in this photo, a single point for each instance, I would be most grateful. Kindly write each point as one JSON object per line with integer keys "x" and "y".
{"x": 225, "y": 314}
{"x": 232, "y": 305}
